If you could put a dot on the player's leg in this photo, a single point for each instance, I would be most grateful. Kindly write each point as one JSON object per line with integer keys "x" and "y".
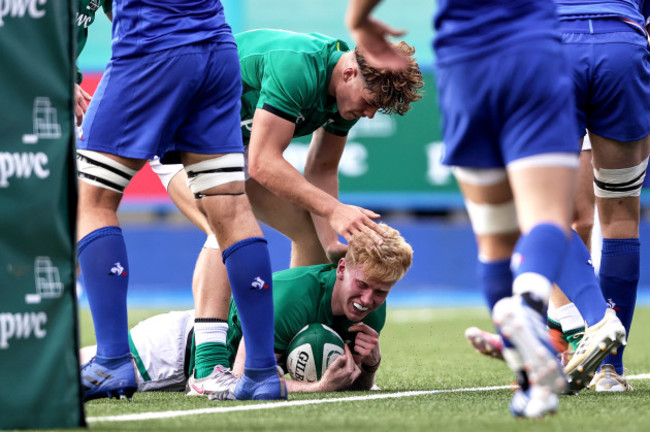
{"x": 583, "y": 219}
{"x": 619, "y": 170}
{"x": 292, "y": 221}
{"x": 247, "y": 261}
{"x": 619, "y": 126}
{"x": 210, "y": 146}
{"x": 135, "y": 113}
{"x": 491, "y": 210}
{"x": 210, "y": 289}
{"x": 105, "y": 269}
{"x": 565, "y": 322}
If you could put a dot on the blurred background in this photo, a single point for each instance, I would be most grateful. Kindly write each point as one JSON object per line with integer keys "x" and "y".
{"x": 390, "y": 165}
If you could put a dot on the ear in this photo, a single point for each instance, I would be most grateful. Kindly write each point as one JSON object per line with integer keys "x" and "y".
{"x": 340, "y": 269}
{"x": 349, "y": 73}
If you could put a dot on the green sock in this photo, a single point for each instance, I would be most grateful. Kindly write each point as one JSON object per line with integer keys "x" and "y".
{"x": 573, "y": 337}
{"x": 552, "y": 324}
{"x": 207, "y": 356}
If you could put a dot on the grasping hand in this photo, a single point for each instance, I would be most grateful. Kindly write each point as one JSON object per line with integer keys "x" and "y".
{"x": 366, "y": 344}
{"x": 81, "y": 100}
{"x": 341, "y": 374}
{"x": 349, "y": 220}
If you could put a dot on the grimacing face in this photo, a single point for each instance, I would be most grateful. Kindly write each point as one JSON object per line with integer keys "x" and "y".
{"x": 355, "y": 295}
{"x": 354, "y": 100}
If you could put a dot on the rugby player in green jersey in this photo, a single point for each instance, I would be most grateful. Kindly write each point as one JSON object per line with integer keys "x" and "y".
{"x": 349, "y": 297}
{"x": 85, "y": 17}
{"x": 293, "y": 85}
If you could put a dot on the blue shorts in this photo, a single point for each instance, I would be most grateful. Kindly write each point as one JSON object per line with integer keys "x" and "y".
{"x": 182, "y": 99}
{"x": 611, "y": 72}
{"x": 513, "y": 104}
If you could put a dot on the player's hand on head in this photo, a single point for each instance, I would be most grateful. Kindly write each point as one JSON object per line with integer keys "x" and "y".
{"x": 366, "y": 344}
{"x": 341, "y": 374}
{"x": 81, "y": 100}
{"x": 372, "y": 38}
{"x": 350, "y": 220}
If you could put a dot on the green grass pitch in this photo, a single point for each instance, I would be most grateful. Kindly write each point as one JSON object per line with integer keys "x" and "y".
{"x": 423, "y": 349}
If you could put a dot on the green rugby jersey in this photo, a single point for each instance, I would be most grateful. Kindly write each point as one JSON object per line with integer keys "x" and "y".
{"x": 288, "y": 74}
{"x": 302, "y": 296}
{"x": 84, "y": 18}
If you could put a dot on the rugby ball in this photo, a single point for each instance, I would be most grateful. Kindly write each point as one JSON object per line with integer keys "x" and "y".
{"x": 311, "y": 352}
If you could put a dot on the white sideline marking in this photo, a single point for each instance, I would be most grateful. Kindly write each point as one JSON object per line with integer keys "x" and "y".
{"x": 273, "y": 405}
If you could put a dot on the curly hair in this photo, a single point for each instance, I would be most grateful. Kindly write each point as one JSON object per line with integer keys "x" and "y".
{"x": 395, "y": 90}
{"x": 386, "y": 263}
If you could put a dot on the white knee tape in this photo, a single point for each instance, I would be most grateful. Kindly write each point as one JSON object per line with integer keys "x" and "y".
{"x": 211, "y": 242}
{"x": 492, "y": 218}
{"x": 214, "y": 172}
{"x": 164, "y": 172}
{"x": 619, "y": 183}
{"x": 102, "y": 171}
{"x": 479, "y": 177}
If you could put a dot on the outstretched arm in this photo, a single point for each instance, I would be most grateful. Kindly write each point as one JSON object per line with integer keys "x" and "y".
{"x": 270, "y": 137}
{"x": 321, "y": 169}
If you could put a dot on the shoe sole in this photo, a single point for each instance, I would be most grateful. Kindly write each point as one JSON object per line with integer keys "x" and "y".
{"x": 482, "y": 344}
{"x": 122, "y": 393}
{"x": 539, "y": 359}
{"x": 579, "y": 375}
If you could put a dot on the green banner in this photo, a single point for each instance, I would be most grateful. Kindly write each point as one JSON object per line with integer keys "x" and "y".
{"x": 394, "y": 161}
{"x": 39, "y": 370}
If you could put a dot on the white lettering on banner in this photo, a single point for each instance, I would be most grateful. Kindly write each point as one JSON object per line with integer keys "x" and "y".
{"x": 22, "y": 165}
{"x": 354, "y": 161}
{"x": 21, "y": 326}
{"x": 381, "y": 126}
{"x": 437, "y": 173}
{"x": 18, "y": 9}
{"x": 83, "y": 20}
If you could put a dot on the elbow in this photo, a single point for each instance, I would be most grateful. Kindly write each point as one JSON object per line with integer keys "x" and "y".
{"x": 256, "y": 170}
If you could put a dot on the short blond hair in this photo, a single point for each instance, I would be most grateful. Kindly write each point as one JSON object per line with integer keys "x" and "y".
{"x": 386, "y": 263}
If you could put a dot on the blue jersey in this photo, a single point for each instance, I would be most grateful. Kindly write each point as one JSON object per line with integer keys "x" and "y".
{"x": 583, "y": 9}
{"x": 148, "y": 26}
{"x": 469, "y": 28}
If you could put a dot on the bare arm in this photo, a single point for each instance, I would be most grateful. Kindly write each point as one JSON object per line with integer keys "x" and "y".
{"x": 366, "y": 347}
{"x": 341, "y": 374}
{"x": 270, "y": 137}
{"x": 321, "y": 169}
{"x": 372, "y": 35}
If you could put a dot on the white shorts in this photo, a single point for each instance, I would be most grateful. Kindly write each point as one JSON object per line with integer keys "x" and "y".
{"x": 160, "y": 344}
{"x": 586, "y": 143}
{"x": 166, "y": 172}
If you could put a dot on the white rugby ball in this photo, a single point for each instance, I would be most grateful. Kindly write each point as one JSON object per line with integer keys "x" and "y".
{"x": 312, "y": 351}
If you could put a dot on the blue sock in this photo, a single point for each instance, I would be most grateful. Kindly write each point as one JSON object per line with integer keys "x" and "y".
{"x": 105, "y": 269}
{"x": 495, "y": 278}
{"x": 578, "y": 282}
{"x": 249, "y": 272}
{"x": 619, "y": 277}
{"x": 541, "y": 251}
